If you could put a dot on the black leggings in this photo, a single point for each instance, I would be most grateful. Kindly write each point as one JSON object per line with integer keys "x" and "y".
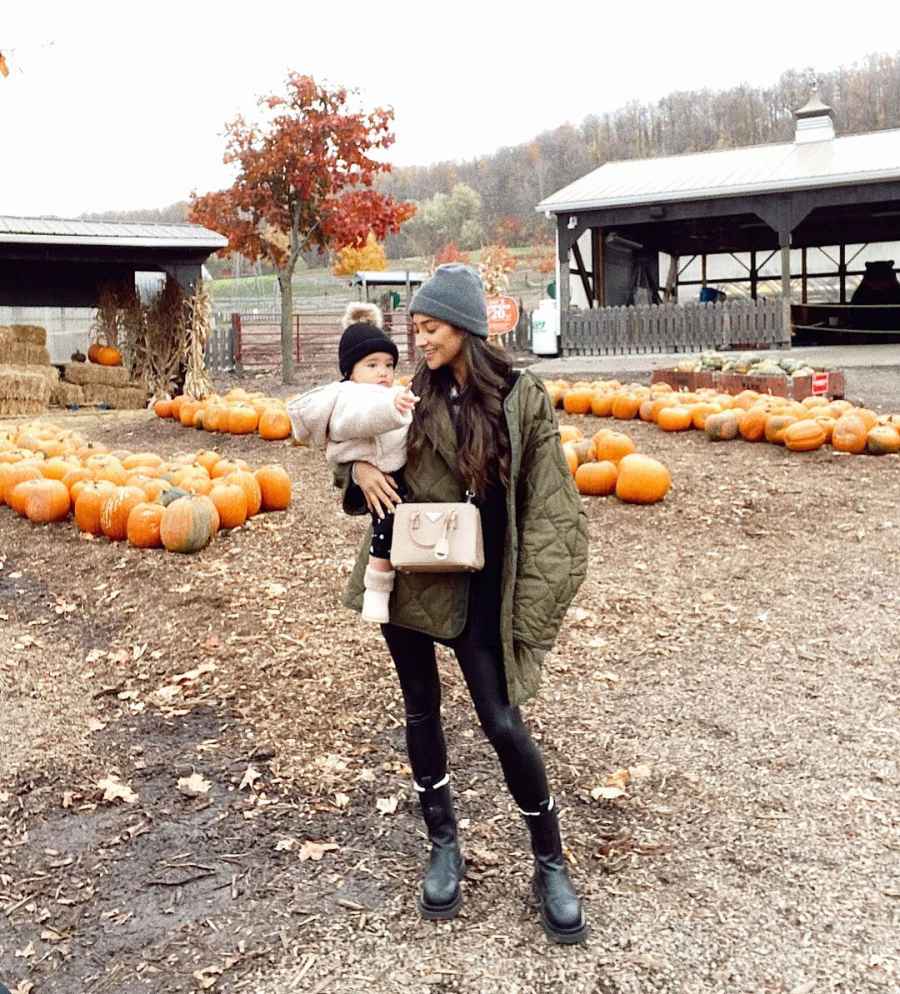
{"x": 482, "y": 667}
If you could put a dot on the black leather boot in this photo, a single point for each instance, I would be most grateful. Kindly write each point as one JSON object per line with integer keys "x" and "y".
{"x": 561, "y": 912}
{"x": 441, "y": 897}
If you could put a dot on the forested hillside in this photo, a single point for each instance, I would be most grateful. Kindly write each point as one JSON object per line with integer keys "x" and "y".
{"x": 492, "y": 198}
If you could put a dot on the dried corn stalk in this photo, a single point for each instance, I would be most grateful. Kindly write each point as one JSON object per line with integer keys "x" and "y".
{"x": 107, "y": 321}
{"x": 199, "y": 326}
{"x": 164, "y": 341}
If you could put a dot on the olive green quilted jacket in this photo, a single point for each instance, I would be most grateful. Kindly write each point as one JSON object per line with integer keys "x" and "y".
{"x": 546, "y": 550}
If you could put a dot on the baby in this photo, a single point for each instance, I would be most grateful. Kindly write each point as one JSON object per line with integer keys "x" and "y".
{"x": 363, "y": 417}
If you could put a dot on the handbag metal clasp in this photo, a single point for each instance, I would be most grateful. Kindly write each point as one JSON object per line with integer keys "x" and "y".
{"x": 442, "y": 547}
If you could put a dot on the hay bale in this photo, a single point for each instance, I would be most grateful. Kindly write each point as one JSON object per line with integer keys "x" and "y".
{"x": 30, "y": 334}
{"x": 50, "y": 373}
{"x": 36, "y": 355}
{"x": 130, "y": 399}
{"x": 11, "y": 407}
{"x": 6, "y": 335}
{"x": 13, "y": 353}
{"x": 84, "y": 373}
{"x": 22, "y": 384}
{"x": 66, "y": 394}
{"x": 120, "y": 398}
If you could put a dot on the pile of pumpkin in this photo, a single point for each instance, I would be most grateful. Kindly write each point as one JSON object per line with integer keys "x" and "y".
{"x": 608, "y": 463}
{"x": 801, "y": 426}
{"x": 235, "y": 413}
{"x": 178, "y": 504}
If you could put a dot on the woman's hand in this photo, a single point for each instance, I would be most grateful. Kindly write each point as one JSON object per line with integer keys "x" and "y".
{"x": 378, "y": 488}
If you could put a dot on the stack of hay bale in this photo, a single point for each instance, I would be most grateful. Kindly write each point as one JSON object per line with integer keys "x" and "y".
{"x": 27, "y": 380}
{"x": 90, "y": 383}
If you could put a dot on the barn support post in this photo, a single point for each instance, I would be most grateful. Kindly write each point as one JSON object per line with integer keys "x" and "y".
{"x": 784, "y": 239}
{"x": 754, "y": 275}
{"x": 803, "y": 276}
{"x": 598, "y": 264}
{"x": 563, "y": 267}
{"x": 842, "y": 271}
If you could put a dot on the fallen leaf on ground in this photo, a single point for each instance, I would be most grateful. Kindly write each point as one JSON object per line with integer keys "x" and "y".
{"x": 194, "y": 786}
{"x": 621, "y": 778}
{"x": 315, "y": 850}
{"x": 96, "y": 725}
{"x": 607, "y": 793}
{"x": 208, "y": 977}
{"x": 250, "y": 777}
{"x": 387, "y": 805}
{"x": 114, "y": 790}
{"x": 341, "y": 800}
{"x": 285, "y": 845}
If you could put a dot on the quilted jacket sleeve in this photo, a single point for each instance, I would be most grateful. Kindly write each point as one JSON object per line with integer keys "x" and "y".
{"x": 552, "y": 528}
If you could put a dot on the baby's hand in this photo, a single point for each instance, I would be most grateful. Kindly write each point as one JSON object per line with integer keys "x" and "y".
{"x": 405, "y": 401}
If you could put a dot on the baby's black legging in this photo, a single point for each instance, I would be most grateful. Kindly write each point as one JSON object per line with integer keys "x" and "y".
{"x": 482, "y": 668}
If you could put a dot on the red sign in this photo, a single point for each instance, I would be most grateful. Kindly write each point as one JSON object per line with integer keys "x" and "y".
{"x": 502, "y": 315}
{"x": 820, "y": 383}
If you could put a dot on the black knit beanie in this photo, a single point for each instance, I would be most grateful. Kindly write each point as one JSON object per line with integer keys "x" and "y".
{"x": 358, "y": 341}
{"x": 454, "y": 294}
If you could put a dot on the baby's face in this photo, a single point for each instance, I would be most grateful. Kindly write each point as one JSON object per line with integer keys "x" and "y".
{"x": 376, "y": 368}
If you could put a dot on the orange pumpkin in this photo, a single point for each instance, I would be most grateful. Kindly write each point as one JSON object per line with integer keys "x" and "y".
{"x": 141, "y": 459}
{"x": 275, "y": 487}
{"x": 571, "y": 458}
{"x": 676, "y": 418}
{"x": 106, "y": 467}
{"x": 48, "y": 500}
{"x": 700, "y": 412}
{"x": 642, "y": 480}
{"x": 18, "y": 495}
{"x": 93, "y": 351}
{"x": 274, "y": 424}
{"x": 869, "y": 417}
{"x": 569, "y": 433}
{"x": 776, "y": 426}
{"x": 596, "y": 479}
{"x": 577, "y": 401}
{"x": 850, "y": 434}
{"x": 115, "y": 510}
{"x": 142, "y": 529}
{"x": 805, "y": 435}
{"x": 186, "y": 412}
{"x": 16, "y": 473}
{"x": 76, "y": 476}
{"x": 883, "y": 440}
{"x": 601, "y": 403}
{"x": 231, "y": 503}
{"x": 242, "y": 419}
{"x": 58, "y": 467}
{"x": 611, "y": 446}
{"x": 625, "y": 406}
{"x": 108, "y": 355}
{"x": 188, "y": 524}
{"x": 207, "y": 458}
{"x": 248, "y": 481}
{"x": 163, "y": 408}
{"x": 753, "y": 424}
{"x": 89, "y": 503}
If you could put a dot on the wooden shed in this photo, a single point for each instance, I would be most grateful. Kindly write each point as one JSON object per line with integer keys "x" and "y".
{"x": 764, "y": 201}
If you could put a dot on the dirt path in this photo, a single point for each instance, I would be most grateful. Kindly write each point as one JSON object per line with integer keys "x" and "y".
{"x": 735, "y": 647}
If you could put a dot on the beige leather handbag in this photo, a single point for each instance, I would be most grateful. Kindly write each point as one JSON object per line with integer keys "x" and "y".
{"x": 437, "y": 538}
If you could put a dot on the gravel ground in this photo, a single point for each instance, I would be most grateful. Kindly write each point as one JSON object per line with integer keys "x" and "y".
{"x": 735, "y": 648}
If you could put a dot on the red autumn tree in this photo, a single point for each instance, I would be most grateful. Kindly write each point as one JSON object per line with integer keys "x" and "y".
{"x": 450, "y": 253}
{"x": 305, "y": 181}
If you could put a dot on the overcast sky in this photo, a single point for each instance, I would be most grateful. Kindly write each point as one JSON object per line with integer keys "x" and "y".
{"x": 116, "y": 105}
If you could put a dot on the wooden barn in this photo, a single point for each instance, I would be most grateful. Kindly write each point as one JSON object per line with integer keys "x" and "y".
{"x": 636, "y": 237}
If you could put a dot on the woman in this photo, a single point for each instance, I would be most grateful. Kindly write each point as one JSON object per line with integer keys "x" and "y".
{"x": 480, "y": 426}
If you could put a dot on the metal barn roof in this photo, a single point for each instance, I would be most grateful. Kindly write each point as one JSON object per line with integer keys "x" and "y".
{"x": 62, "y": 231}
{"x": 851, "y": 159}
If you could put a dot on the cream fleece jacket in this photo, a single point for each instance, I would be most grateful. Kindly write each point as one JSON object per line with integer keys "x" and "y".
{"x": 354, "y": 421}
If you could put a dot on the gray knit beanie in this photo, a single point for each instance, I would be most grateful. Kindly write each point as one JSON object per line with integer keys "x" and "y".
{"x": 454, "y": 294}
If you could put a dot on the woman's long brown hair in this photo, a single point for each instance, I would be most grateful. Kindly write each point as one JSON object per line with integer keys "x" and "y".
{"x": 483, "y": 439}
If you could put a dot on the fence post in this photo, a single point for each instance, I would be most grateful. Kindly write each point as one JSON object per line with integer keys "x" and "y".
{"x": 236, "y": 341}
{"x": 296, "y": 338}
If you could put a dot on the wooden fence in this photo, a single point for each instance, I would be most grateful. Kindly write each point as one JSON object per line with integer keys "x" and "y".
{"x": 253, "y": 341}
{"x": 674, "y": 328}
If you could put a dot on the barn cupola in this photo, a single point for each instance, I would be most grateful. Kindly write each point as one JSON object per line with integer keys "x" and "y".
{"x": 815, "y": 121}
